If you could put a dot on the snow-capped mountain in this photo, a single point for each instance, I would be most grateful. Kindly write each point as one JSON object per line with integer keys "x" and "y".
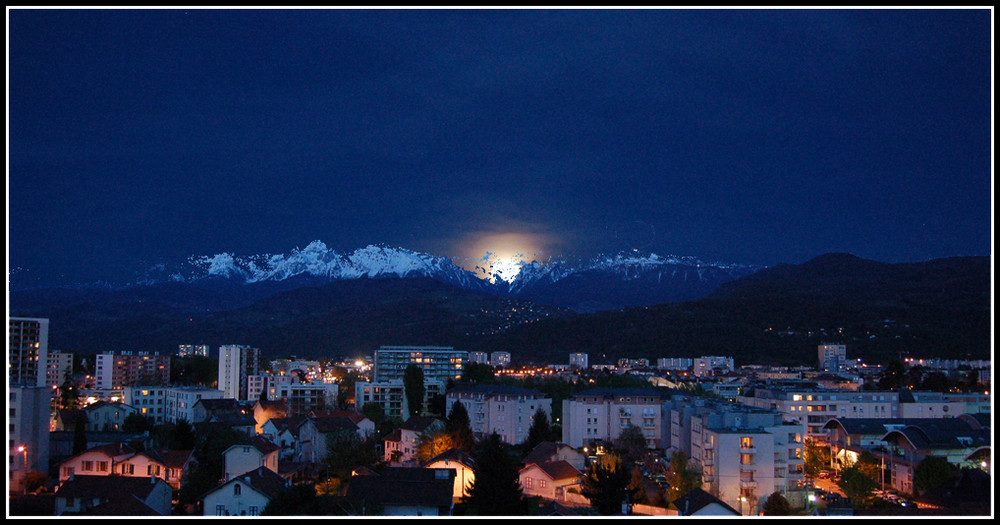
{"x": 604, "y": 282}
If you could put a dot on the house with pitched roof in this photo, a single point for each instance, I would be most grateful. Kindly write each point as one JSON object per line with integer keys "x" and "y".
{"x": 80, "y": 494}
{"x": 284, "y": 432}
{"x": 264, "y": 410}
{"x": 403, "y": 491}
{"x": 168, "y": 465}
{"x": 314, "y": 432}
{"x": 253, "y": 453}
{"x": 215, "y": 409}
{"x": 104, "y": 416}
{"x": 549, "y": 479}
{"x": 697, "y": 502}
{"x": 401, "y": 444}
{"x": 246, "y": 494}
{"x": 463, "y": 465}
{"x": 95, "y": 461}
{"x": 552, "y": 451}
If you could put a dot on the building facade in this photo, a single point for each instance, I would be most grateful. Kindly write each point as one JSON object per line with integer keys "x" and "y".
{"x": 236, "y": 364}
{"x": 116, "y": 370}
{"x": 508, "y": 411}
{"x": 59, "y": 367}
{"x": 437, "y": 362}
{"x": 27, "y": 351}
{"x": 28, "y": 430}
{"x": 601, "y": 414}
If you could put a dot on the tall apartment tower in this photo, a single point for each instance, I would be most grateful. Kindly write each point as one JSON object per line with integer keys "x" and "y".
{"x": 236, "y": 364}
{"x": 832, "y": 357}
{"x": 27, "y": 351}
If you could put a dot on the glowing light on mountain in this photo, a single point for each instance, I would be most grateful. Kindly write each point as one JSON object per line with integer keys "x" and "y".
{"x": 492, "y": 255}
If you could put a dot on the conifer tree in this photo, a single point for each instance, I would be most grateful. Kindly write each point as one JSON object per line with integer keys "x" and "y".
{"x": 496, "y": 490}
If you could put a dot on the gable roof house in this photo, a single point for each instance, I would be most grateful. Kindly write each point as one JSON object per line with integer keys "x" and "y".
{"x": 104, "y": 416}
{"x": 403, "y": 491}
{"x": 285, "y": 432}
{"x": 549, "y": 479}
{"x": 314, "y": 432}
{"x": 214, "y": 409}
{"x": 168, "y": 465}
{"x": 463, "y": 465}
{"x": 552, "y": 451}
{"x": 95, "y": 461}
{"x": 697, "y": 502}
{"x": 401, "y": 444}
{"x": 82, "y": 494}
{"x": 264, "y": 410}
{"x": 253, "y": 453}
{"x": 246, "y": 494}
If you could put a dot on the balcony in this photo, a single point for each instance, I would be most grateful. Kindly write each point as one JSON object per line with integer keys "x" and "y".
{"x": 748, "y": 449}
{"x": 748, "y": 484}
{"x": 747, "y": 467}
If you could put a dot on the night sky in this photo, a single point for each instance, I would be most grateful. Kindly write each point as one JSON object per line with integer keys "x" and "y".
{"x": 137, "y": 137}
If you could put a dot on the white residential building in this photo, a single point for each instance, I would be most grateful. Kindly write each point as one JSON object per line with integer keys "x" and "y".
{"x": 601, "y": 414}
{"x": 481, "y": 358}
{"x": 508, "y": 411}
{"x": 707, "y": 365}
{"x": 579, "y": 360}
{"x": 500, "y": 359}
{"x": 236, "y": 364}
{"x": 674, "y": 363}
{"x": 812, "y": 406}
{"x": 59, "y": 367}
{"x": 178, "y": 402}
{"x": 149, "y": 401}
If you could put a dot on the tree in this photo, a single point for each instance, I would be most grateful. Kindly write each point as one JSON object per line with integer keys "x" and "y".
{"x": 374, "y": 412}
{"x": 777, "y": 505}
{"x": 431, "y": 445}
{"x": 631, "y": 444}
{"x": 136, "y": 423}
{"x": 413, "y": 386}
{"x": 893, "y": 376}
{"x": 80, "y": 435}
{"x": 347, "y": 451}
{"x": 932, "y": 472}
{"x": 857, "y": 485}
{"x": 459, "y": 427}
{"x": 540, "y": 430}
{"x": 608, "y": 484}
{"x": 496, "y": 489}
{"x": 681, "y": 477}
{"x": 477, "y": 373}
{"x": 816, "y": 458}
{"x": 35, "y": 481}
{"x": 183, "y": 437}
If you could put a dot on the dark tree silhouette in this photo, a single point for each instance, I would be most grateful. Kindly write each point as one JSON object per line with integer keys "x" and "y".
{"x": 496, "y": 490}
{"x": 608, "y": 484}
{"x": 413, "y": 386}
{"x": 540, "y": 430}
{"x": 777, "y": 505}
{"x": 459, "y": 427}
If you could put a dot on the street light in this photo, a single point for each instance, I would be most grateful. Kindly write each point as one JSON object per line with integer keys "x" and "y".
{"x": 21, "y": 449}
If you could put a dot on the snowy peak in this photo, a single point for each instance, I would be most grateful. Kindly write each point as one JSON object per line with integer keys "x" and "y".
{"x": 318, "y": 260}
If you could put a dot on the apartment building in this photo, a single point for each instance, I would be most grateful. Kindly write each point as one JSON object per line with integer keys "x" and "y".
{"x": 28, "y": 430}
{"x": 178, "y": 402}
{"x": 236, "y": 364}
{"x": 117, "y": 370}
{"x": 745, "y": 453}
{"x": 709, "y": 365}
{"x": 508, "y": 411}
{"x": 148, "y": 400}
{"x": 27, "y": 350}
{"x": 601, "y": 414}
{"x": 437, "y": 362}
{"x": 500, "y": 359}
{"x": 59, "y": 366}
{"x": 579, "y": 360}
{"x": 391, "y": 395}
{"x": 811, "y": 406}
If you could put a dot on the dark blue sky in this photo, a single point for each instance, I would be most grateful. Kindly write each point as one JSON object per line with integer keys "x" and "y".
{"x": 144, "y": 136}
